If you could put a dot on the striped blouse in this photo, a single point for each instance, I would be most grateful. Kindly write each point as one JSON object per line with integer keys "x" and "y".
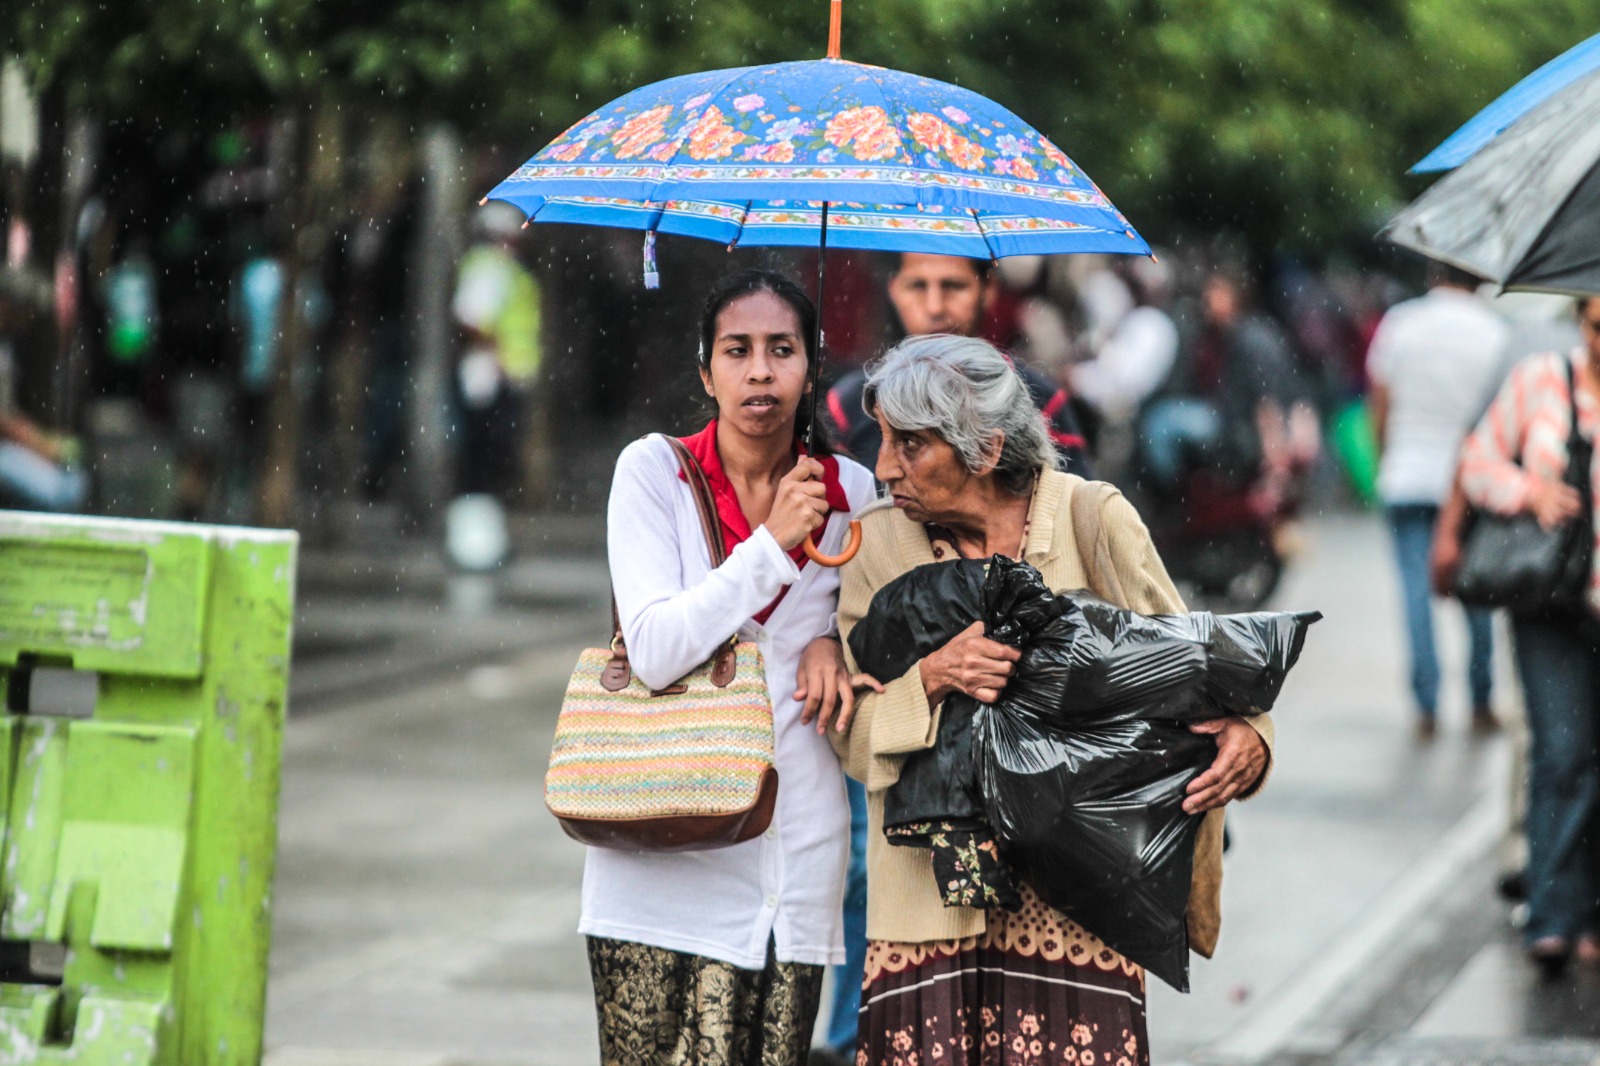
{"x": 1522, "y": 439}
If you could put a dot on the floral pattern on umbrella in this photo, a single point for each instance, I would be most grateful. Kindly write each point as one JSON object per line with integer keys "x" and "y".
{"x": 832, "y": 129}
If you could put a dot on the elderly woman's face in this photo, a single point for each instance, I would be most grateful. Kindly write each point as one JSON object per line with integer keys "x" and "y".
{"x": 758, "y": 365}
{"x": 924, "y": 475}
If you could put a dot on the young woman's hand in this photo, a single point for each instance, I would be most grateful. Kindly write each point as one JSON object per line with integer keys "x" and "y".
{"x": 970, "y": 663}
{"x": 825, "y": 686}
{"x": 1553, "y": 502}
{"x": 800, "y": 505}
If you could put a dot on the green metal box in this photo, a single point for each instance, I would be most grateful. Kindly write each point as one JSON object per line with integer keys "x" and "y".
{"x": 137, "y": 843}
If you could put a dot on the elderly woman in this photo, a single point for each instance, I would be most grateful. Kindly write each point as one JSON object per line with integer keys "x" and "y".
{"x": 971, "y": 473}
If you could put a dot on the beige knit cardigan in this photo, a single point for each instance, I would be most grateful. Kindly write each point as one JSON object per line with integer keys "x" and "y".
{"x": 903, "y": 904}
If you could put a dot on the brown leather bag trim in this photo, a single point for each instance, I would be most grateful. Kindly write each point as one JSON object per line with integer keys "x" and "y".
{"x": 697, "y": 832}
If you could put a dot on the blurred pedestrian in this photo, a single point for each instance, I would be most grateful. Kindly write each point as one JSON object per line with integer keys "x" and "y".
{"x": 1432, "y": 366}
{"x": 717, "y": 957}
{"x": 498, "y": 307}
{"x": 39, "y": 471}
{"x": 972, "y": 473}
{"x": 1540, "y": 322}
{"x": 1515, "y": 462}
{"x": 1234, "y": 403}
{"x": 1136, "y": 352}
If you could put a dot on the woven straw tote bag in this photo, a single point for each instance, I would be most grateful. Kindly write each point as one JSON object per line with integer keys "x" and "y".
{"x": 685, "y": 768}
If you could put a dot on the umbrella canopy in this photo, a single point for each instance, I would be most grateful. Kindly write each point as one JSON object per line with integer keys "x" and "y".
{"x": 821, "y": 131}
{"x": 1566, "y": 68}
{"x": 1525, "y": 211}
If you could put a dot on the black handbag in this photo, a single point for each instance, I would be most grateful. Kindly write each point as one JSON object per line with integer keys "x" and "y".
{"x": 1514, "y": 562}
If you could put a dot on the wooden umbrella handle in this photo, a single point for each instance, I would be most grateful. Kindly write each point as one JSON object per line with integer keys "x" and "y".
{"x": 843, "y": 557}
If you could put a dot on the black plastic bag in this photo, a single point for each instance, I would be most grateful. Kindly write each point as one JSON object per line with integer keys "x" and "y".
{"x": 1079, "y": 769}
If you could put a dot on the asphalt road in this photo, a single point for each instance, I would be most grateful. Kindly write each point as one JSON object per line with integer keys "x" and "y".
{"x": 426, "y": 903}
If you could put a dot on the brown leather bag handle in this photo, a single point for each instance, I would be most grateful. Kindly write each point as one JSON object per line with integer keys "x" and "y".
{"x": 704, "y": 502}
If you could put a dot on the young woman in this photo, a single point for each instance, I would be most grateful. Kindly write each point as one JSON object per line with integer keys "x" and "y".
{"x": 716, "y": 957}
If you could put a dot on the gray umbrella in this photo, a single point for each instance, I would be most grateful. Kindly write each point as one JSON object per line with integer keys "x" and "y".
{"x": 1525, "y": 211}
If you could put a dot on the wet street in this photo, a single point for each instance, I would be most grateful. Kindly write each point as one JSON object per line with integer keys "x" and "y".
{"x": 426, "y": 903}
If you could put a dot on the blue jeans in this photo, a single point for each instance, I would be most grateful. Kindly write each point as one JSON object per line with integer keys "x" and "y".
{"x": 1173, "y": 431}
{"x": 1412, "y": 525}
{"x": 1561, "y": 682}
{"x": 847, "y": 979}
{"x": 33, "y": 482}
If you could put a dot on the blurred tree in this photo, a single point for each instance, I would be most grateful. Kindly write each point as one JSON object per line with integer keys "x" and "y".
{"x": 1291, "y": 121}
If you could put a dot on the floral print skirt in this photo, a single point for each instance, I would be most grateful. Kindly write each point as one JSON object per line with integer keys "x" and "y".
{"x": 1035, "y": 988}
{"x": 665, "y": 1008}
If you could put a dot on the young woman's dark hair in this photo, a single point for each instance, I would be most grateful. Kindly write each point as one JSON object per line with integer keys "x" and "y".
{"x": 743, "y": 284}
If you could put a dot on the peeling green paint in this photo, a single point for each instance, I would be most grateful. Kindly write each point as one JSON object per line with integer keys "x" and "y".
{"x": 164, "y": 803}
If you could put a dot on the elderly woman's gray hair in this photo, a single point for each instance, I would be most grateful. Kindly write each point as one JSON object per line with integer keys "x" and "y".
{"x": 963, "y": 390}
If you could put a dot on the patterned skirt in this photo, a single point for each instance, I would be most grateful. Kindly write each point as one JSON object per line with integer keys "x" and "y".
{"x": 665, "y": 1008}
{"x": 1035, "y": 988}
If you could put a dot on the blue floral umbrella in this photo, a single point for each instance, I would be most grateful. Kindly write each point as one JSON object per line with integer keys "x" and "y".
{"x": 766, "y": 155}
{"x": 819, "y": 153}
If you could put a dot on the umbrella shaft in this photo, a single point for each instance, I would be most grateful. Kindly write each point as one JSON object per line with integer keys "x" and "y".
{"x": 816, "y": 339}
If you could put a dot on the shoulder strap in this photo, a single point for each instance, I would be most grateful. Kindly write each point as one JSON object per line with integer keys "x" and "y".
{"x": 616, "y": 675}
{"x": 704, "y": 502}
{"x": 1573, "y": 434}
{"x": 1086, "y": 504}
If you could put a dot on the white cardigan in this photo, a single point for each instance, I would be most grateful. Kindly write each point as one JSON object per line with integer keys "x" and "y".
{"x": 787, "y": 885}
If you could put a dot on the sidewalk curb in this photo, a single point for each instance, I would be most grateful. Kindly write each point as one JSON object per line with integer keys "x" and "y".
{"x": 1285, "y": 1023}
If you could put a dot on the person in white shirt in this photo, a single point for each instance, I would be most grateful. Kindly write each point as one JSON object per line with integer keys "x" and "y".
{"x": 728, "y": 946}
{"x": 1433, "y": 364}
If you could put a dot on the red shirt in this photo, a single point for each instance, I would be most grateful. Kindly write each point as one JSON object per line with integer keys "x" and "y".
{"x": 735, "y": 526}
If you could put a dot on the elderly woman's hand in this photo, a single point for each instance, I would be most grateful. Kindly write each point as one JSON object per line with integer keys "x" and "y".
{"x": 970, "y": 663}
{"x": 825, "y": 685}
{"x": 1241, "y": 759}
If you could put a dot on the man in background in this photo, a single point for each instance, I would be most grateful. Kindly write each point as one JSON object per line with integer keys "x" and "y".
{"x": 947, "y": 294}
{"x": 1433, "y": 364}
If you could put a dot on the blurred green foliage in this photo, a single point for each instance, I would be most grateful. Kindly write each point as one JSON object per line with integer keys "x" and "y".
{"x": 1292, "y": 121}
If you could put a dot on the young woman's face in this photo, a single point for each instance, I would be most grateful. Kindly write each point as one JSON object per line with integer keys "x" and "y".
{"x": 758, "y": 366}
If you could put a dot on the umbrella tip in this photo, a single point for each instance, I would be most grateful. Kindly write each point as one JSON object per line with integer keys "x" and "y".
{"x": 835, "y": 17}
{"x": 483, "y": 201}
{"x": 528, "y": 223}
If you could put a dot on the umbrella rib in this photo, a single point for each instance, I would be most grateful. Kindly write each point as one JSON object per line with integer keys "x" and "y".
{"x": 1549, "y": 225}
{"x": 743, "y": 219}
{"x": 994, "y": 256}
